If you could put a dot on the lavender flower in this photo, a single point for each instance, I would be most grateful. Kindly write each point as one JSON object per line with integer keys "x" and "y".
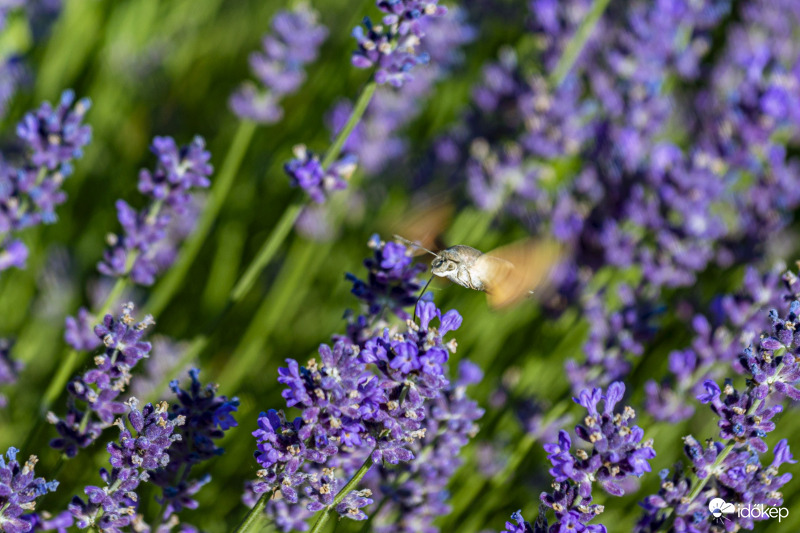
{"x": 617, "y": 452}
{"x": 140, "y": 450}
{"x": 392, "y": 47}
{"x": 357, "y": 402}
{"x": 30, "y": 189}
{"x": 305, "y": 171}
{"x": 735, "y": 319}
{"x": 416, "y": 493}
{"x": 95, "y": 393}
{"x": 392, "y": 282}
{"x": 143, "y": 250}
{"x": 732, "y": 468}
{"x": 521, "y": 525}
{"x": 206, "y": 417}
{"x": 19, "y": 489}
{"x": 294, "y": 42}
{"x": 79, "y": 333}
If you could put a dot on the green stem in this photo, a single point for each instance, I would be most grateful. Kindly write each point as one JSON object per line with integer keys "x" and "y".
{"x": 577, "y": 42}
{"x": 358, "y": 111}
{"x": 281, "y": 303}
{"x": 323, "y": 518}
{"x": 289, "y": 216}
{"x": 174, "y": 278}
{"x": 255, "y": 515}
{"x": 267, "y": 251}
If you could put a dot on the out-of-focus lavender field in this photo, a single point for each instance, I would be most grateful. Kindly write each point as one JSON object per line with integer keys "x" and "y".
{"x": 207, "y": 323}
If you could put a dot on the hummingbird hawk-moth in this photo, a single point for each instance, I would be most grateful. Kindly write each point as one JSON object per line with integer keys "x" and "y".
{"x": 506, "y": 274}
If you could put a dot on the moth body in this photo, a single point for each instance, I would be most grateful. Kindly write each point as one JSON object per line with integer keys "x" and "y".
{"x": 457, "y": 264}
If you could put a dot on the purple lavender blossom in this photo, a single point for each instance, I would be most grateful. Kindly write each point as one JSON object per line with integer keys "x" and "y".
{"x": 617, "y": 453}
{"x": 356, "y": 402}
{"x": 392, "y": 47}
{"x": 376, "y": 139}
{"x": 19, "y": 489}
{"x": 305, "y": 171}
{"x": 144, "y": 249}
{"x": 79, "y": 332}
{"x": 392, "y": 281}
{"x": 140, "y": 450}
{"x": 30, "y": 189}
{"x": 294, "y": 42}
{"x": 521, "y": 526}
{"x": 415, "y": 502}
{"x": 9, "y": 368}
{"x": 735, "y": 319}
{"x": 732, "y": 468}
{"x": 95, "y": 393}
{"x": 206, "y": 417}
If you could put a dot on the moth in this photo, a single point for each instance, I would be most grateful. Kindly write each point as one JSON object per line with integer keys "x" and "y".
{"x": 506, "y": 274}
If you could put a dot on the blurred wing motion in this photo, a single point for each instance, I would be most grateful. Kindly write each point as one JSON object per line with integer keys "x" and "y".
{"x": 510, "y": 273}
{"x": 423, "y": 226}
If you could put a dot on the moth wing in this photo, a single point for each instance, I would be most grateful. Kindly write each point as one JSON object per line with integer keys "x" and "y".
{"x": 511, "y": 272}
{"x": 424, "y": 225}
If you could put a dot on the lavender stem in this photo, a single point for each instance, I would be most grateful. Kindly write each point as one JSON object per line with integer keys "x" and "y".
{"x": 576, "y": 44}
{"x": 356, "y": 479}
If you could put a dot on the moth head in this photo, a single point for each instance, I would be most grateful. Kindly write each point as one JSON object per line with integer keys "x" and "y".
{"x": 443, "y": 265}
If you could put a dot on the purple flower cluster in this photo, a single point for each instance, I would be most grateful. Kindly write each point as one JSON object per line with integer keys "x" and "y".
{"x": 392, "y": 283}
{"x": 380, "y": 392}
{"x": 294, "y": 42}
{"x": 731, "y": 468}
{"x": 140, "y": 450}
{"x": 144, "y": 249}
{"x": 392, "y": 47}
{"x": 206, "y": 417}
{"x": 735, "y": 319}
{"x": 51, "y": 138}
{"x": 416, "y": 493}
{"x": 305, "y": 171}
{"x": 751, "y": 103}
{"x": 368, "y": 399}
{"x": 96, "y": 392}
{"x": 739, "y": 477}
{"x": 587, "y": 160}
{"x": 617, "y": 453}
{"x": 376, "y": 140}
{"x": 19, "y": 489}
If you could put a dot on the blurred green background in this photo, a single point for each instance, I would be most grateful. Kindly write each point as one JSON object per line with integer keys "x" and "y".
{"x": 167, "y": 68}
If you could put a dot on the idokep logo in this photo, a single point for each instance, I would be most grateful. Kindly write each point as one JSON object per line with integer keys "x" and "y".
{"x": 719, "y": 508}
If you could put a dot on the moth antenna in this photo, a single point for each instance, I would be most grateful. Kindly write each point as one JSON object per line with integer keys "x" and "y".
{"x": 416, "y": 245}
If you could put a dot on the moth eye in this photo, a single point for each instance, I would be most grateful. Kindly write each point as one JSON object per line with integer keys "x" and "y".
{"x": 437, "y": 262}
